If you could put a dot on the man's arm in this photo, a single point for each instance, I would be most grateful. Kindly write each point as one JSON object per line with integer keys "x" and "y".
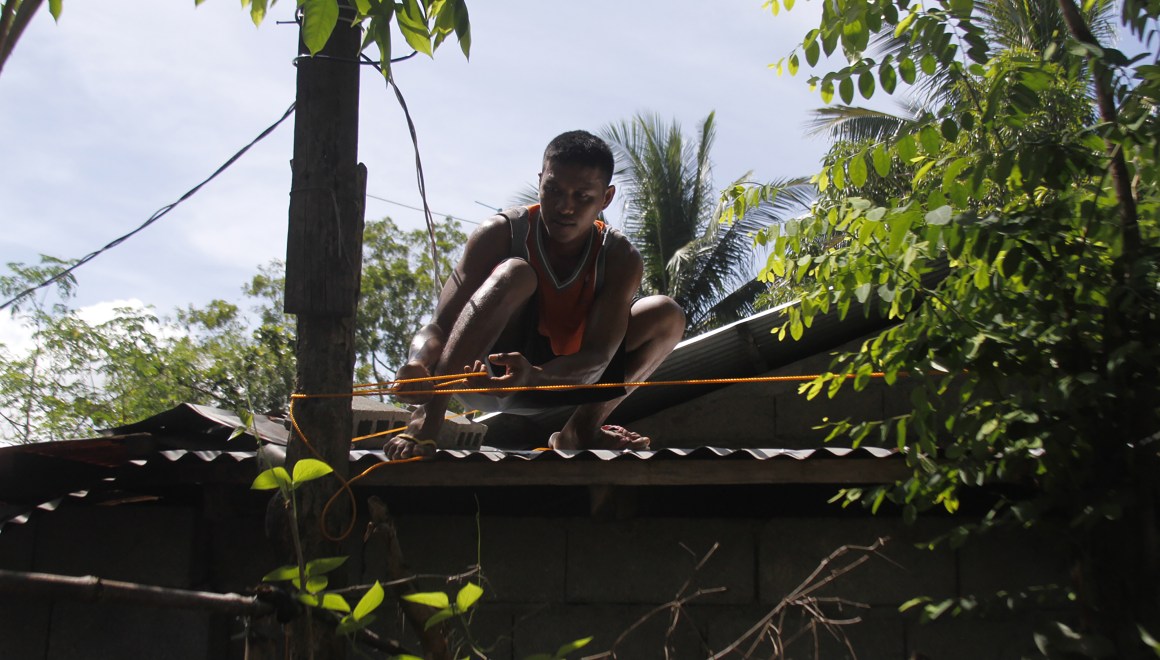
{"x": 487, "y": 246}
{"x": 604, "y": 329}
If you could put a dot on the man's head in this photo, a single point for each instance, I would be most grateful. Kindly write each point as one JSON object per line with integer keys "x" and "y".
{"x": 574, "y": 186}
{"x": 581, "y": 148}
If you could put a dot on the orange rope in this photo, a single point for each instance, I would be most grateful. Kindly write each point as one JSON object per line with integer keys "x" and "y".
{"x": 556, "y": 388}
{"x": 391, "y": 387}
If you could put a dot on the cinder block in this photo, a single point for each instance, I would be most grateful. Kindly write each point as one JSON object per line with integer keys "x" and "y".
{"x": 17, "y": 545}
{"x": 138, "y": 543}
{"x": 643, "y": 561}
{"x": 697, "y": 423}
{"x": 790, "y": 549}
{"x": 24, "y": 626}
{"x": 970, "y": 638}
{"x": 848, "y": 632}
{"x": 609, "y": 626}
{"x": 1012, "y": 559}
{"x": 239, "y": 554}
{"x": 522, "y": 558}
{"x": 798, "y": 416}
{"x": 490, "y": 626}
{"x": 113, "y": 631}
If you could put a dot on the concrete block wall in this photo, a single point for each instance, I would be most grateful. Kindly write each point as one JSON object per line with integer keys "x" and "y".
{"x": 149, "y": 545}
{"x": 549, "y": 581}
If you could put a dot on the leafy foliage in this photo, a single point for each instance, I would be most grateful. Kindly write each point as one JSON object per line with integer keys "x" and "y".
{"x": 1013, "y": 237}
{"x": 704, "y": 264}
{"x": 78, "y": 376}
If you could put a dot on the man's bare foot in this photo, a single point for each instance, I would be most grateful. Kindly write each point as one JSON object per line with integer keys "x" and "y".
{"x": 608, "y": 436}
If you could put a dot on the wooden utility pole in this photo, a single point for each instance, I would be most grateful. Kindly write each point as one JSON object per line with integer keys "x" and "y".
{"x": 323, "y": 267}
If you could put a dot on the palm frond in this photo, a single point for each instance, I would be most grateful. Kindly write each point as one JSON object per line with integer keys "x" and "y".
{"x": 855, "y": 124}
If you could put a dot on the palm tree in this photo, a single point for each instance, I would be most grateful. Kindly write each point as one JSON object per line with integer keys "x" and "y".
{"x": 671, "y": 213}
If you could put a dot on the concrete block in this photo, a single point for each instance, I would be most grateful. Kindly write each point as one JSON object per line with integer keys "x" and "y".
{"x": 239, "y": 554}
{"x": 643, "y": 561}
{"x": 1013, "y": 559}
{"x": 137, "y": 543}
{"x": 851, "y": 632}
{"x": 790, "y": 549}
{"x": 18, "y": 544}
{"x": 112, "y": 631}
{"x": 798, "y": 416}
{"x": 24, "y": 626}
{"x": 522, "y": 558}
{"x": 748, "y": 408}
{"x": 609, "y": 626}
{"x": 490, "y": 625}
{"x": 971, "y": 638}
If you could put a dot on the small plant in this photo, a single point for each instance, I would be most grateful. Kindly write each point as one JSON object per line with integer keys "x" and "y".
{"x": 464, "y": 600}
{"x": 310, "y": 577}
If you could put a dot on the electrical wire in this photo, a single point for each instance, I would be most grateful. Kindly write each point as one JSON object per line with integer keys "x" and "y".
{"x": 157, "y": 215}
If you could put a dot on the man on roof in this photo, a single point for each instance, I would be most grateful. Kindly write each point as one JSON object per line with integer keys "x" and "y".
{"x": 545, "y": 295}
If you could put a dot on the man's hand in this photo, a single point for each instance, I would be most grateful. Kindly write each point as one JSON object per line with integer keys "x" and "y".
{"x": 409, "y": 371}
{"x": 518, "y": 372}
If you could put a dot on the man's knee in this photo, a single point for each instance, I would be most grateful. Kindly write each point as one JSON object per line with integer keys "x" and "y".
{"x": 658, "y": 317}
{"x": 513, "y": 277}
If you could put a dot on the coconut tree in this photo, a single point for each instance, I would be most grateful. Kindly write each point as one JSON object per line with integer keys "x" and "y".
{"x": 671, "y": 213}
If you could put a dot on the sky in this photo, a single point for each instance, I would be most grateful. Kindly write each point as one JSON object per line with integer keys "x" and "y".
{"x": 122, "y": 106}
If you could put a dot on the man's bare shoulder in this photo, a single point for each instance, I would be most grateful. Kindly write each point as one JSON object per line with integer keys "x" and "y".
{"x": 489, "y": 243}
{"x": 620, "y": 250}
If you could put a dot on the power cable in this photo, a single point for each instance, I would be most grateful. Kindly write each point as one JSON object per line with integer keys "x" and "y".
{"x": 157, "y": 215}
{"x": 417, "y": 208}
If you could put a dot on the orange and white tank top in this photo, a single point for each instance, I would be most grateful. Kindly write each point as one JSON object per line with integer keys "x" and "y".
{"x": 563, "y": 303}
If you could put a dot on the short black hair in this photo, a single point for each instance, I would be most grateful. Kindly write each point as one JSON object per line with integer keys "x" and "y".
{"x": 581, "y": 148}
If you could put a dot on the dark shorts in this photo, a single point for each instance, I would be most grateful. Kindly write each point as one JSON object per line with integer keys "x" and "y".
{"x": 538, "y": 350}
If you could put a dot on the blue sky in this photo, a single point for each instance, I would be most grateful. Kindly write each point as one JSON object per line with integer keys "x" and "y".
{"x": 116, "y": 111}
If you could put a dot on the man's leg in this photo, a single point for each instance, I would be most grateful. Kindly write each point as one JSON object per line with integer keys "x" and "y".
{"x": 498, "y": 301}
{"x": 655, "y": 326}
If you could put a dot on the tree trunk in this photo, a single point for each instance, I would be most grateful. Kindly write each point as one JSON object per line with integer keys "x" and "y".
{"x": 323, "y": 263}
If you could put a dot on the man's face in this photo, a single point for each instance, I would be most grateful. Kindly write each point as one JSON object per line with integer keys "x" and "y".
{"x": 571, "y": 196}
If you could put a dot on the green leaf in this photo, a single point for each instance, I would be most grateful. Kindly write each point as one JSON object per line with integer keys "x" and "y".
{"x": 572, "y": 646}
{"x": 846, "y": 90}
{"x": 866, "y": 84}
{"x": 905, "y": 23}
{"x": 907, "y": 150}
{"x": 462, "y": 27}
{"x": 275, "y": 477}
{"x": 257, "y": 11}
{"x": 827, "y": 91}
{"x": 857, "y": 169}
{"x": 438, "y": 617}
{"x": 314, "y": 584}
{"x": 928, "y": 64}
{"x": 323, "y": 565}
{"x": 788, "y": 4}
{"x": 54, "y": 8}
{"x": 467, "y": 596}
{"x": 949, "y": 129}
{"x": 369, "y": 601}
{"x": 436, "y": 599}
{"x": 906, "y": 70}
{"x": 939, "y": 216}
{"x": 334, "y": 603}
{"x": 281, "y": 574}
{"x": 792, "y": 64}
{"x": 930, "y": 140}
{"x": 881, "y": 160}
{"x": 309, "y": 469}
{"x": 862, "y": 291}
{"x": 319, "y": 19}
{"x": 413, "y": 25}
{"x": 812, "y": 52}
{"x": 887, "y": 78}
